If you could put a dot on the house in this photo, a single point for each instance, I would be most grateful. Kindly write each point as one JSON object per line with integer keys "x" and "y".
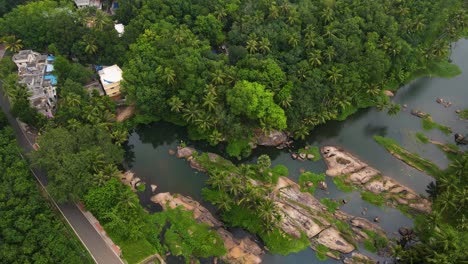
{"x": 88, "y": 3}
{"x": 110, "y": 78}
{"x": 35, "y": 73}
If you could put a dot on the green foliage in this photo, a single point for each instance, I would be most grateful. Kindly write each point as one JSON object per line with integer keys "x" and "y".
{"x": 73, "y": 158}
{"x": 141, "y": 187}
{"x": 422, "y": 138}
{"x": 429, "y": 124}
{"x": 409, "y": 158}
{"x": 373, "y": 198}
{"x": 308, "y": 178}
{"x": 314, "y": 150}
{"x": 463, "y": 114}
{"x": 330, "y": 204}
{"x": 22, "y": 109}
{"x": 375, "y": 241}
{"x": 239, "y": 148}
{"x": 342, "y": 185}
{"x": 31, "y": 232}
{"x": 321, "y": 252}
{"x": 284, "y": 244}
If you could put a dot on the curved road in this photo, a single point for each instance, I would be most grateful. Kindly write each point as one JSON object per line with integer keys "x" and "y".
{"x": 91, "y": 239}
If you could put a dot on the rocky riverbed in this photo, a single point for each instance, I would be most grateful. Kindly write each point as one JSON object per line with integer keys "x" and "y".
{"x": 358, "y": 173}
{"x": 302, "y": 213}
{"x": 243, "y": 250}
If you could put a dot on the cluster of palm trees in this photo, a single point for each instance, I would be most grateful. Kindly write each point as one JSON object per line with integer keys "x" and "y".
{"x": 236, "y": 188}
{"x": 12, "y": 43}
{"x": 96, "y": 20}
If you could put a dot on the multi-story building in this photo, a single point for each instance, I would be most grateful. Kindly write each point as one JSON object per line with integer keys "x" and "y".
{"x": 35, "y": 73}
{"x": 110, "y": 78}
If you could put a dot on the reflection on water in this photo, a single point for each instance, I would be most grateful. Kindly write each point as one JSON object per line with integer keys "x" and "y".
{"x": 148, "y": 146}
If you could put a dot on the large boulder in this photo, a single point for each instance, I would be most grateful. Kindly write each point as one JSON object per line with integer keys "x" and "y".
{"x": 184, "y": 152}
{"x": 332, "y": 239}
{"x": 271, "y": 139}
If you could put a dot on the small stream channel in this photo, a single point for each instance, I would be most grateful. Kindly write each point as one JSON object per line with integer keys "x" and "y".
{"x": 148, "y": 146}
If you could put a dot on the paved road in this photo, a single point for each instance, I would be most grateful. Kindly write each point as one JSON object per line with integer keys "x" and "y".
{"x": 90, "y": 238}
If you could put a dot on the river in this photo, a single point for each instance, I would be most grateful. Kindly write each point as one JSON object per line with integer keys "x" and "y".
{"x": 148, "y": 146}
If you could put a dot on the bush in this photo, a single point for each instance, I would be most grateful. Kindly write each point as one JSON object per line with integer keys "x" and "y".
{"x": 373, "y": 198}
{"x": 309, "y": 177}
{"x": 238, "y": 148}
{"x": 422, "y": 138}
{"x": 321, "y": 252}
{"x": 330, "y": 204}
{"x": 342, "y": 185}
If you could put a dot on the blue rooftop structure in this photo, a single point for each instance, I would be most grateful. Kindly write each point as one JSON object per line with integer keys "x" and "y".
{"x": 51, "y": 58}
{"x": 52, "y": 78}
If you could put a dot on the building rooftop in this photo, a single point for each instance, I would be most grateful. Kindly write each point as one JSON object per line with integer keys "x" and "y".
{"x": 120, "y": 28}
{"x": 111, "y": 74}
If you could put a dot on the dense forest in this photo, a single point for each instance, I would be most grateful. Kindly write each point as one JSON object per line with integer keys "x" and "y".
{"x": 30, "y": 231}
{"x": 224, "y": 69}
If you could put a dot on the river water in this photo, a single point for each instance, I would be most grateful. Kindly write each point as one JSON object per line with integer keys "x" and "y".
{"x": 148, "y": 146}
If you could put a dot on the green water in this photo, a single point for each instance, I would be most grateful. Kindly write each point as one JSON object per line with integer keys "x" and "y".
{"x": 147, "y": 150}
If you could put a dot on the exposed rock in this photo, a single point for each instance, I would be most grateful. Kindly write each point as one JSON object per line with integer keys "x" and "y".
{"x": 418, "y": 113}
{"x": 239, "y": 250}
{"x": 302, "y": 156}
{"x": 294, "y": 155}
{"x": 360, "y": 174}
{"x": 301, "y": 170}
{"x": 458, "y": 111}
{"x": 405, "y": 106}
{"x": 404, "y": 231}
{"x": 332, "y": 239}
{"x": 153, "y": 187}
{"x": 322, "y": 185}
{"x": 184, "y": 152}
{"x": 460, "y": 139}
{"x": 194, "y": 164}
{"x": 310, "y": 156}
{"x": 388, "y": 93}
{"x": 439, "y": 100}
{"x": 171, "y": 152}
{"x": 358, "y": 258}
{"x": 377, "y": 219}
{"x": 343, "y": 201}
{"x": 309, "y": 184}
{"x": 128, "y": 178}
{"x": 272, "y": 139}
{"x": 365, "y": 224}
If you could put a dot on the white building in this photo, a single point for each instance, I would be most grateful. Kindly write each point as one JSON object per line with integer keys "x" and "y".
{"x": 88, "y": 3}
{"x": 110, "y": 78}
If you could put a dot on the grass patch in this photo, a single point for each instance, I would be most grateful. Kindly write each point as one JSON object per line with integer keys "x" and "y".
{"x": 463, "y": 114}
{"x": 281, "y": 243}
{"x": 342, "y": 185}
{"x": 308, "y": 177}
{"x": 373, "y": 198}
{"x": 330, "y": 204}
{"x": 321, "y": 252}
{"x": 441, "y": 68}
{"x": 406, "y": 210}
{"x": 218, "y": 164}
{"x": 412, "y": 159}
{"x": 141, "y": 187}
{"x": 136, "y": 251}
{"x": 313, "y": 150}
{"x": 422, "y": 138}
{"x": 429, "y": 124}
{"x": 375, "y": 241}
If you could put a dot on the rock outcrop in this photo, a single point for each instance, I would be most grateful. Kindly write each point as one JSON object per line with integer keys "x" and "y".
{"x": 358, "y": 258}
{"x": 301, "y": 213}
{"x": 419, "y": 114}
{"x": 243, "y": 250}
{"x": 360, "y": 174}
{"x": 272, "y": 139}
{"x": 184, "y": 152}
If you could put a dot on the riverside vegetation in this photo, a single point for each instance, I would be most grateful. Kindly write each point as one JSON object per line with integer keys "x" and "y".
{"x": 295, "y": 64}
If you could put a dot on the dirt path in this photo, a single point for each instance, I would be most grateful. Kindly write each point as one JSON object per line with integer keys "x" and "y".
{"x": 125, "y": 113}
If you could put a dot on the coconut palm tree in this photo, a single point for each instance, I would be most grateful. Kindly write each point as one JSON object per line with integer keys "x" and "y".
{"x": 101, "y": 20}
{"x": 334, "y": 74}
{"x": 251, "y": 45}
{"x": 176, "y": 104}
{"x": 328, "y": 15}
{"x": 310, "y": 39}
{"x": 330, "y": 53}
{"x": 209, "y": 101}
{"x": 215, "y": 137}
{"x": 315, "y": 58}
{"x": 293, "y": 17}
{"x": 119, "y": 136}
{"x": 204, "y": 121}
{"x": 72, "y": 100}
{"x": 90, "y": 44}
{"x": 264, "y": 45}
{"x": 293, "y": 39}
{"x": 274, "y": 11}
{"x": 220, "y": 12}
{"x": 167, "y": 74}
{"x": 191, "y": 112}
{"x": 217, "y": 179}
{"x": 73, "y": 124}
{"x": 12, "y": 43}
{"x": 218, "y": 77}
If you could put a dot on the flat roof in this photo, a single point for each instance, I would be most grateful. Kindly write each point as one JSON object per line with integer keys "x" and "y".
{"x": 111, "y": 74}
